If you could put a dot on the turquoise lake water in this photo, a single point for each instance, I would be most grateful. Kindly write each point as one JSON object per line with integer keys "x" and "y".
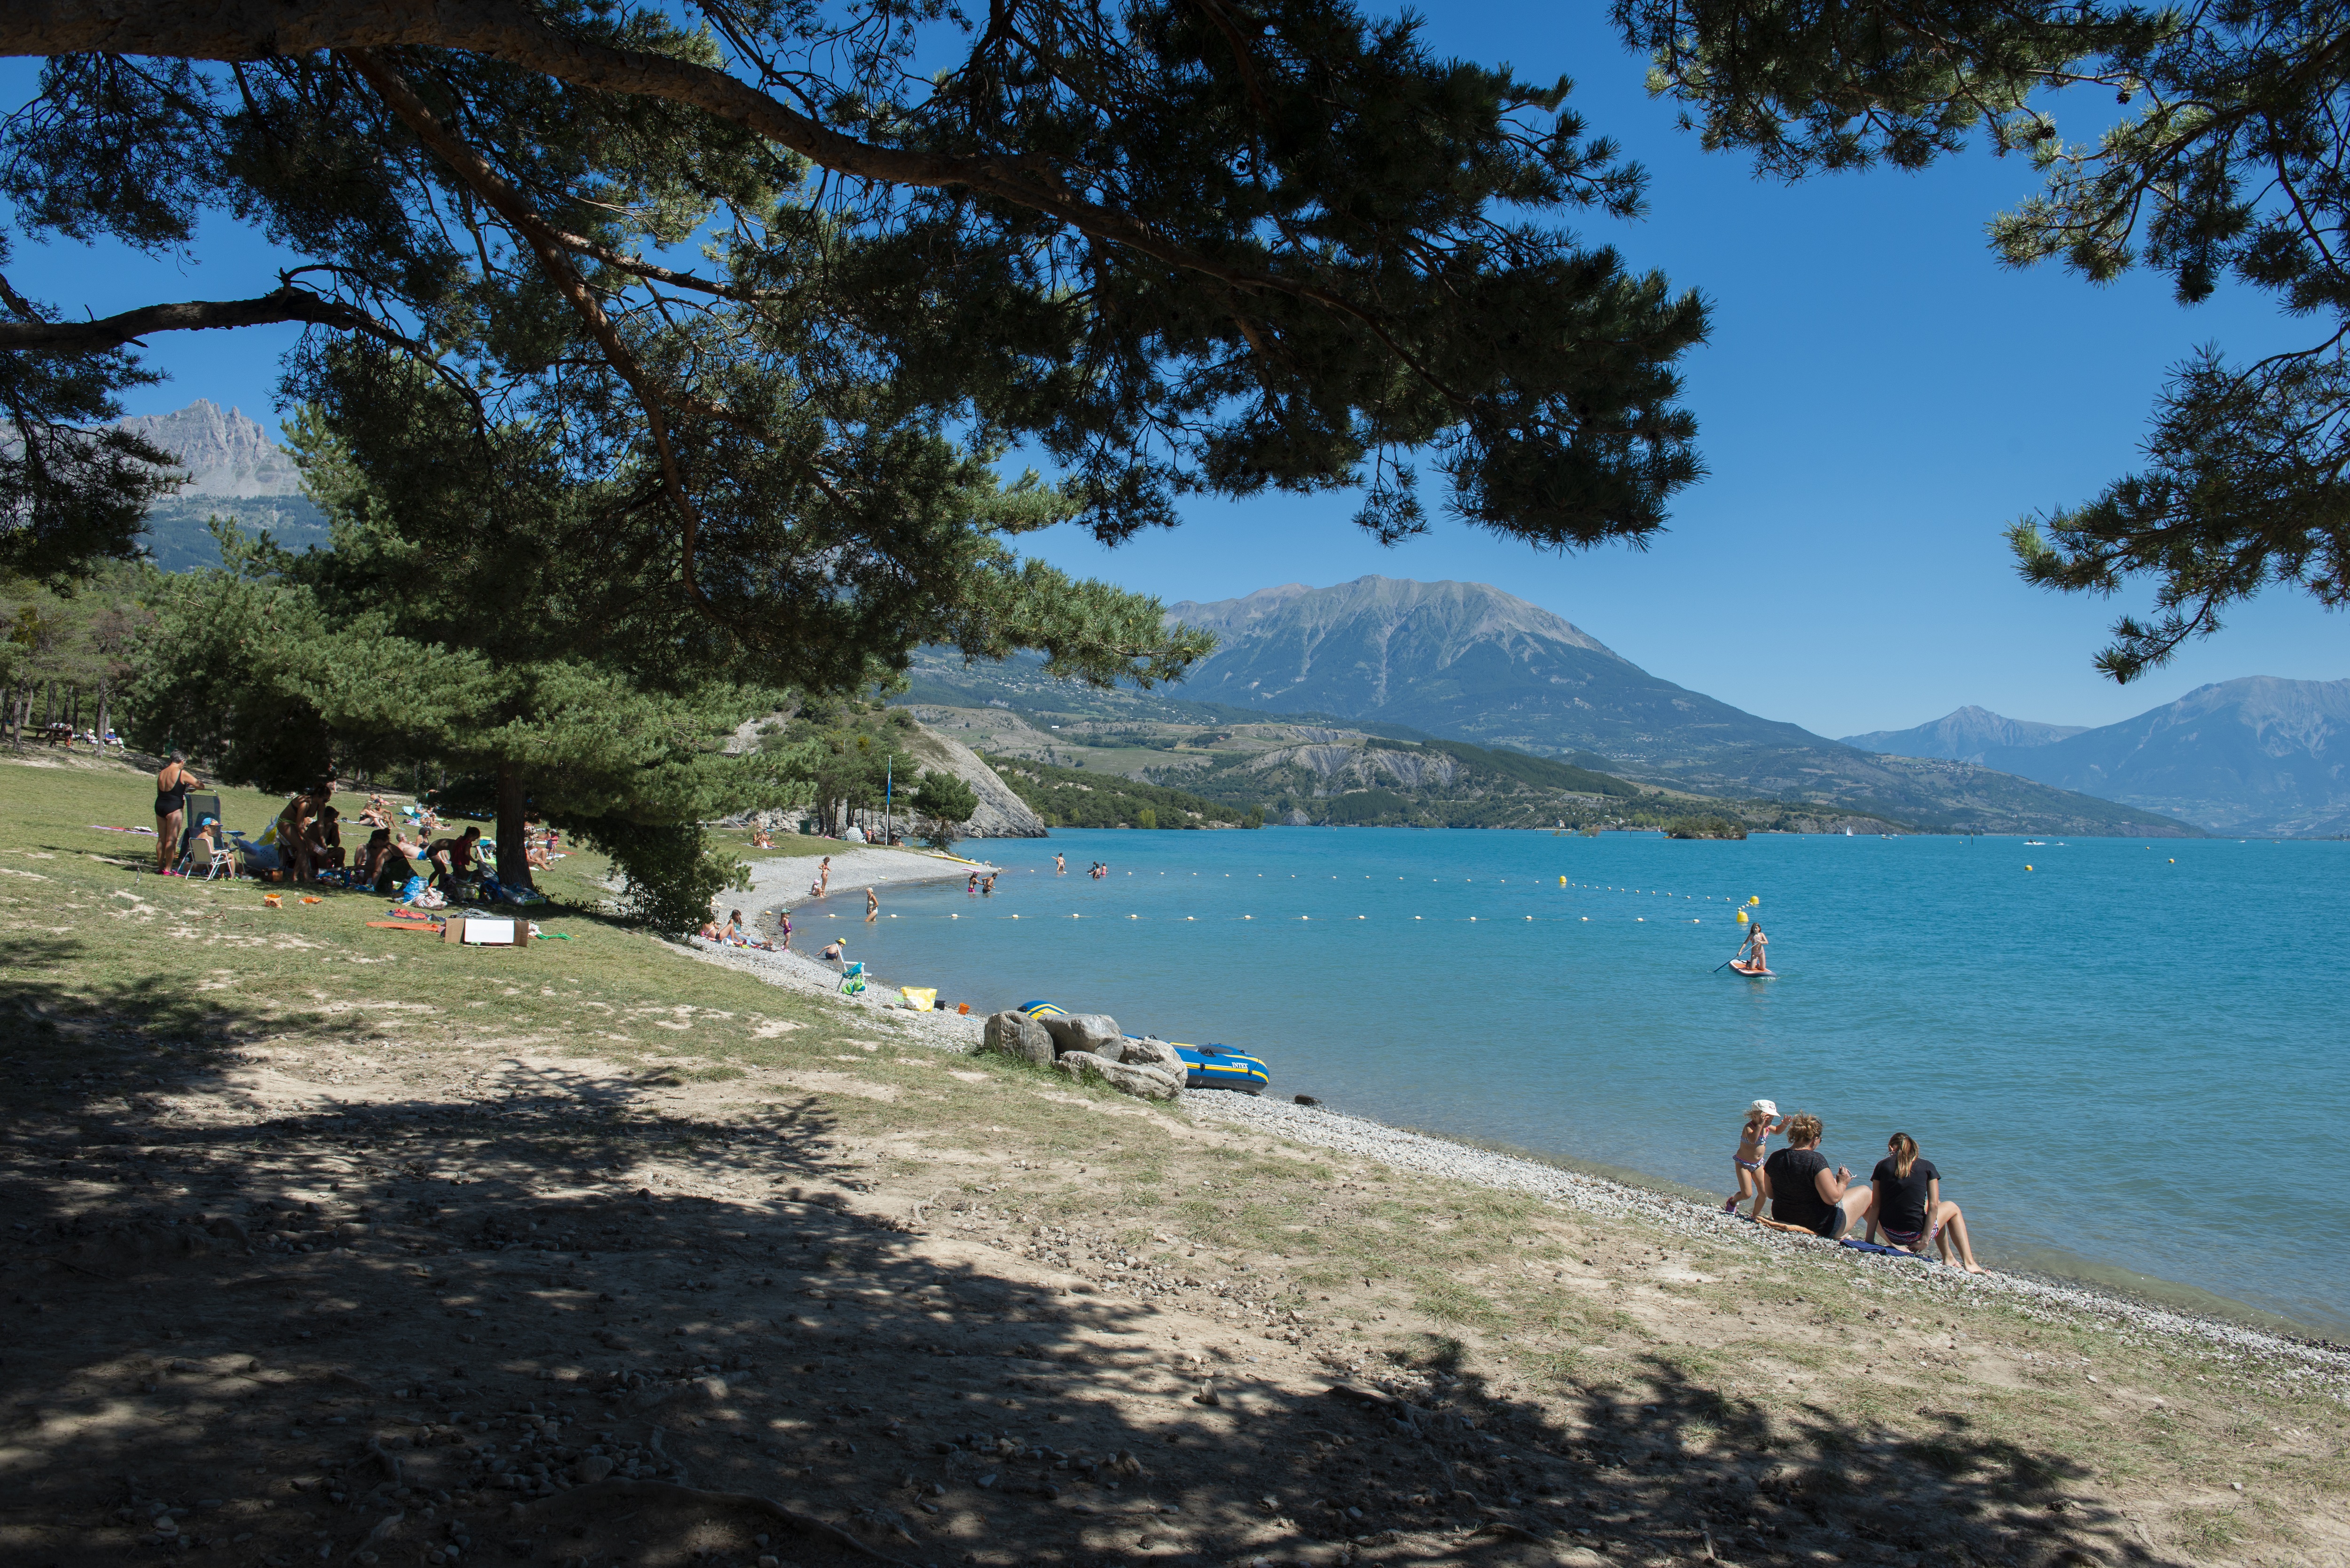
{"x": 2128, "y": 1063}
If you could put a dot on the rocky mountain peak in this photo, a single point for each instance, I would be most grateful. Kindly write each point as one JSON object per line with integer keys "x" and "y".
{"x": 226, "y": 453}
{"x": 1442, "y": 614}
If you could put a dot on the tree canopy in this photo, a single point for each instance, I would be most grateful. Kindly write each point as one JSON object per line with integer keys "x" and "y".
{"x": 1181, "y": 246}
{"x": 2230, "y": 159}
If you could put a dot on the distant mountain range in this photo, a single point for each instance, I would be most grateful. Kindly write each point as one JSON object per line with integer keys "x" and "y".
{"x": 1466, "y": 661}
{"x": 237, "y": 471}
{"x": 2259, "y": 756}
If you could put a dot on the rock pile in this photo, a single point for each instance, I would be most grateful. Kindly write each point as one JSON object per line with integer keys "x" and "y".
{"x": 1089, "y": 1043}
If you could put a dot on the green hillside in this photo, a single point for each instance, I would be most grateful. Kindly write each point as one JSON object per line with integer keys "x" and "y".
{"x": 1109, "y": 775}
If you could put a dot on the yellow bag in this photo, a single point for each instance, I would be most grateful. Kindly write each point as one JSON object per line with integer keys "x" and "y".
{"x": 920, "y": 999}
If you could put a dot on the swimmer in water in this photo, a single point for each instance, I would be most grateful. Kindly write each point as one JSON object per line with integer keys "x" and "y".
{"x": 872, "y": 906}
{"x": 1059, "y": 865}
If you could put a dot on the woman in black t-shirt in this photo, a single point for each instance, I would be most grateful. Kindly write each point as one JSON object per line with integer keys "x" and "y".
{"x": 1908, "y": 1204}
{"x": 1804, "y": 1196}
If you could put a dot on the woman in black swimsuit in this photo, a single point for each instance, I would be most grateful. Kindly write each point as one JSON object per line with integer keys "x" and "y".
{"x": 171, "y": 787}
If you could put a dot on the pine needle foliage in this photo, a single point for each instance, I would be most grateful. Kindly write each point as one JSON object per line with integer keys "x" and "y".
{"x": 2229, "y": 159}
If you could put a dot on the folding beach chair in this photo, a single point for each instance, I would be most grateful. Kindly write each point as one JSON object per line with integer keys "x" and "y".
{"x": 852, "y": 979}
{"x": 209, "y": 860}
{"x": 193, "y": 814}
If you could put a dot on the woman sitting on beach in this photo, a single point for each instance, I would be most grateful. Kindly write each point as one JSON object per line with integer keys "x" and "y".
{"x": 1805, "y": 1197}
{"x": 384, "y": 864}
{"x": 1906, "y": 1204}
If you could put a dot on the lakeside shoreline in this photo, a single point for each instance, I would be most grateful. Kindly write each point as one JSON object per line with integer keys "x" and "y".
{"x": 1435, "y": 1154}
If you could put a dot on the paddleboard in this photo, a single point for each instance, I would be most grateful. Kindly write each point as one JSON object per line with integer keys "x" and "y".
{"x": 1737, "y": 968}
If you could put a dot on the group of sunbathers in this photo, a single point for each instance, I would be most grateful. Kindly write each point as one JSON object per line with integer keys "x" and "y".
{"x": 1902, "y": 1200}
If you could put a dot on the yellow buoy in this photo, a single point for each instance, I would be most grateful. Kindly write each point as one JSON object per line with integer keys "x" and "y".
{"x": 1742, "y": 917}
{"x": 2027, "y": 867}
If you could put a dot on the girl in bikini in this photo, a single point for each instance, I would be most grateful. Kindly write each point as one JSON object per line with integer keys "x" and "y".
{"x": 1763, "y": 1119}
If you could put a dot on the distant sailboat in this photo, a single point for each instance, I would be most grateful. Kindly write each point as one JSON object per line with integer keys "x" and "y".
{"x": 1848, "y": 832}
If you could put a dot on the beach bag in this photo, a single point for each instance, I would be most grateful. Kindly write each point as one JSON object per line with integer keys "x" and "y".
{"x": 922, "y": 998}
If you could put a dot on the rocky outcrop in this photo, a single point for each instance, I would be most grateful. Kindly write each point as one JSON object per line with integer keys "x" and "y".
{"x": 1142, "y": 1083}
{"x": 1096, "y": 1032}
{"x": 1001, "y": 813}
{"x": 1088, "y": 1044}
{"x": 1156, "y": 1053}
{"x": 1017, "y": 1035}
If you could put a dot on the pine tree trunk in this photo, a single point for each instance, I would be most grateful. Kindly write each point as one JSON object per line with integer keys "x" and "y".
{"x": 105, "y": 713}
{"x": 514, "y": 831}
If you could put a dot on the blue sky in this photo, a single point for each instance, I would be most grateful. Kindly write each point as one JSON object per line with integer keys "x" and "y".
{"x": 1879, "y": 399}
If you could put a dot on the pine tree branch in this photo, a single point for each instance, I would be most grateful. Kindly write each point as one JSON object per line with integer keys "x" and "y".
{"x": 244, "y": 30}
{"x": 197, "y": 314}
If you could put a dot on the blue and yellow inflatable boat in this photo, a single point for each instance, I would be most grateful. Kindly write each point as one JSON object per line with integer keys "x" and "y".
{"x": 1207, "y": 1067}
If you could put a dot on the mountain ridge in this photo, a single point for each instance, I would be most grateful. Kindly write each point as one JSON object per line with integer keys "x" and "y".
{"x": 1964, "y": 734}
{"x": 1471, "y": 662}
{"x": 2258, "y": 755}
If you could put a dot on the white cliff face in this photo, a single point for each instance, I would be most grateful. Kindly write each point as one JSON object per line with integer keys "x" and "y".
{"x": 226, "y": 453}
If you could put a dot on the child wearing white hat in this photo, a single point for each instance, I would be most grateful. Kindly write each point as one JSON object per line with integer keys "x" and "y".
{"x": 1763, "y": 1119}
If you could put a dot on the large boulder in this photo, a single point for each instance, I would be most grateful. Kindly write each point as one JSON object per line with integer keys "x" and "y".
{"x": 1157, "y": 1053}
{"x": 1142, "y": 1083}
{"x": 1017, "y": 1035}
{"x": 1095, "y": 1032}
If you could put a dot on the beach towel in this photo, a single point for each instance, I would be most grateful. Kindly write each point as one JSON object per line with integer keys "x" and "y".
{"x": 922, "y": 998}
{"x": 1871, "y": 1247}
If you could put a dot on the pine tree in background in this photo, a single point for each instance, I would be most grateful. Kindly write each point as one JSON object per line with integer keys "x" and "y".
{"x": 947, "y": 802}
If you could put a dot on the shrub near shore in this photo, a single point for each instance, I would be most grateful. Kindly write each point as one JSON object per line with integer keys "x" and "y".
{"x": 305, "y": 1207}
